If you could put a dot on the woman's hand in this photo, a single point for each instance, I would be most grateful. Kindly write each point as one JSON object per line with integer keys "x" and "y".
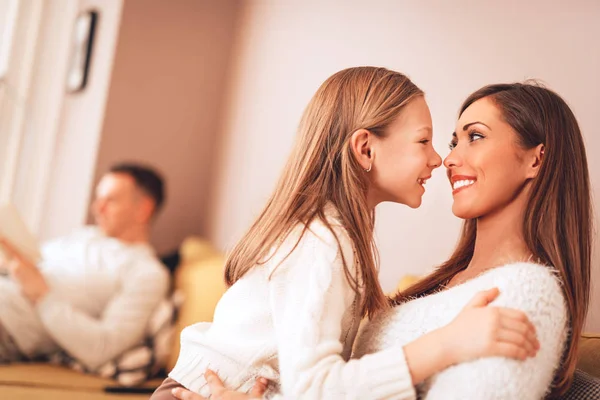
{"x": 219, "y": 392}
{"x": 482, "y": 331}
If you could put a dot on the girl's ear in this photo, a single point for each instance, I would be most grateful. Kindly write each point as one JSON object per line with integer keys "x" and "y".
{"x": 361, "y": 145}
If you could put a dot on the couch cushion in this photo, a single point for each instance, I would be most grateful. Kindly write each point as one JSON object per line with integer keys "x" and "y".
{"x": 201, "y": 283}
{"x": 584, "y": 387}
{"x": 589, "y": 354}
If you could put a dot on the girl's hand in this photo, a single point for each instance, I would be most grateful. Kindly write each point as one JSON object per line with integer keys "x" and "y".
{"x": 478, "y": 331}
{"x": 482, "y": 331}
{"x": 219, "y": 392}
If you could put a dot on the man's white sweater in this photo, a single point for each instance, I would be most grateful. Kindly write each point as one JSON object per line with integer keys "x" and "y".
{"x": 529, "y": 287}
{"x": 102, "y": 293}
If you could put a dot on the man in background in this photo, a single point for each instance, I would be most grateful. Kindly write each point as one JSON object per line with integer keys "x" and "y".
{"x": 94, "y": 290}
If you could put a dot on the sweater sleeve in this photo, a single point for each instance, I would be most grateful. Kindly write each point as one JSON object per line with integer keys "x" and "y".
{"x": 94, "y": 341}
{"x": 309, "y": 295}
{"x": 532, "y": 289}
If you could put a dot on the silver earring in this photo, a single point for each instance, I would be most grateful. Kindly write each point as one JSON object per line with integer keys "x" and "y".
{"x": 369, "y": 169}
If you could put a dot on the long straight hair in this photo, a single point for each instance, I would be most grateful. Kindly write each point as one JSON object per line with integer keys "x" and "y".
{"x": 557, "y": 224}
{"x": 323, "y": 170}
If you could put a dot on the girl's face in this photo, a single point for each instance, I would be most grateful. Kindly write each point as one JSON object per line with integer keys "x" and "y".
{"x": 405, "y": 158}
{"x": 487, "y": 167}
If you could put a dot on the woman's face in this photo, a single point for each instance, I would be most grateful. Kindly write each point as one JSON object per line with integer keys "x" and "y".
{"x": 405, "y": 158}
{"x": 487, "y": 167}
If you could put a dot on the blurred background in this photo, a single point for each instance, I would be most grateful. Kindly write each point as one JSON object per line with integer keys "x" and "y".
{"x": 211, "y": 92}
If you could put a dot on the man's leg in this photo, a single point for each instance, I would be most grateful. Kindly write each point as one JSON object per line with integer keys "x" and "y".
{"x": 9, "y": 352}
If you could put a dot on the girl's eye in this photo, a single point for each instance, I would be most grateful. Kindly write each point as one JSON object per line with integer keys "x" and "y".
{"x": 424, "y": 141}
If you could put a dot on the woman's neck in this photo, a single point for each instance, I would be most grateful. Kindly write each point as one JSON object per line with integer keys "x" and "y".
{"x": 500, "y": 238}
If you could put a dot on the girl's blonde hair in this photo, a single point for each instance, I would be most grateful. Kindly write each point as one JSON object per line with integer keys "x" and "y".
{"x": 322, "y": 169}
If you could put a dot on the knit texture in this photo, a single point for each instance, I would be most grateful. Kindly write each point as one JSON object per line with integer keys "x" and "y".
{"x": 529, "y": 287}
{"x": 293, "y": 320}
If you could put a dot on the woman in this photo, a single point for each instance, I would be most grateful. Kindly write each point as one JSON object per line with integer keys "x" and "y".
{"x": 519, "y": 176}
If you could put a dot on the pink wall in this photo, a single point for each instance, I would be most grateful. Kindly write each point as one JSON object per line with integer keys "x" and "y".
{"x": 164, "y": 103}
{"x": 284, "y": 50}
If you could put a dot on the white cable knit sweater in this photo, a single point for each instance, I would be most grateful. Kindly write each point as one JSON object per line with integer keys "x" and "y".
{"x": 295, "y": 328}
{"x": 529, "y": 287}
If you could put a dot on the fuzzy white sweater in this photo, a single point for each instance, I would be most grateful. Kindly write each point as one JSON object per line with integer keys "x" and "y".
{"x": 294, "y": 325}
{"x": 529, "y": 287}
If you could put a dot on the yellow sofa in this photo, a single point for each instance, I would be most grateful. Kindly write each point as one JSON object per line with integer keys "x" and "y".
{"x": 199, "y": 278}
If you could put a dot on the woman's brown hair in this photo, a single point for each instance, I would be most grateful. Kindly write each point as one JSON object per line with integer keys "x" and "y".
{"x": 557, "y": 226}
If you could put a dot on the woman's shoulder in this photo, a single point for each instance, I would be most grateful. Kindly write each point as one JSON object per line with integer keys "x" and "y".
{"x": 528, "y": 286}
{"x": 525, "y": 275}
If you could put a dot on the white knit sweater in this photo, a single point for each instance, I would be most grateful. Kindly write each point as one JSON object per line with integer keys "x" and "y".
{"x": 529, "y": 287}
{"x": 294, "y": 325}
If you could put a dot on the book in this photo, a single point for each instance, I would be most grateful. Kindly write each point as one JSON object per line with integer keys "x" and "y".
{"x": 15, "y": 231}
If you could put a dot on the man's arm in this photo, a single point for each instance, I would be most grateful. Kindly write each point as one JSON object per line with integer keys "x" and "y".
{"x": 122, "y": 324}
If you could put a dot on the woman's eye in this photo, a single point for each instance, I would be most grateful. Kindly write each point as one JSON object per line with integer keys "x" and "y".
{"x": 452, "y": 145}
{"x": 473, "y": 136}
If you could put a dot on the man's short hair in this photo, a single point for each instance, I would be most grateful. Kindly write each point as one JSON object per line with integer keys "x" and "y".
{"x": 146, "y": 179}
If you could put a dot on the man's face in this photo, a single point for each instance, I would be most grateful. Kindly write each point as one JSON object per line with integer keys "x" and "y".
{"x": 118, "y": 203}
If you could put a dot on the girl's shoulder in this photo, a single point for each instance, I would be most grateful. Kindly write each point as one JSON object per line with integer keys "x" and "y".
{"x": 328, "y": 232}
{"x": 324, "y": 240}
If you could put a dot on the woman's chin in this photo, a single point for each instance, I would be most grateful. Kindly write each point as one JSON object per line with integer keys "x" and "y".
{"x": 464, "y": 212}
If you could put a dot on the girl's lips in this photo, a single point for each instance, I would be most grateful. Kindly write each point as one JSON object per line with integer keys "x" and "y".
{"x": 424, "y": 180}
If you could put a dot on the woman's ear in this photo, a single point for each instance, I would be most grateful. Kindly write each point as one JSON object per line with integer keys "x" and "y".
{"x": 361, "y": 145}
{"x": 536, "y": 159}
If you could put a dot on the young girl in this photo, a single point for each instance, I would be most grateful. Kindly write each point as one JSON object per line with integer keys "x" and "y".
{"x": 305, "y": 274}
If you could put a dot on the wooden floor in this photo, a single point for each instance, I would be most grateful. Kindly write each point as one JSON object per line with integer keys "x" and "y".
{"x": 48, "y": 382}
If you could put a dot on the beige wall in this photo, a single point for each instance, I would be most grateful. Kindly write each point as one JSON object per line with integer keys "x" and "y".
{"x": 165, "y": 100}
{"x": 284, "y": 50}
